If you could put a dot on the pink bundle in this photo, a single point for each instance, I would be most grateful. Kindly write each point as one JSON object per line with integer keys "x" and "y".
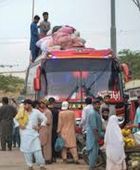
{"x": 65, "y": 37}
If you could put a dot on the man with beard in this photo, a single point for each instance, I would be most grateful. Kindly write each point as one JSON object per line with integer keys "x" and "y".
{"x": 105, "y": 117}
{"x": 7, "y": 113}
{"x": 106, "y": 104}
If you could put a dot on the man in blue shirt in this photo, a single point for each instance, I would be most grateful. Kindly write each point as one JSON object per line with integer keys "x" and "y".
{"x": 34, "y": 38}
{"x": 93, "y": 128}
{"x": 85, "y": 111}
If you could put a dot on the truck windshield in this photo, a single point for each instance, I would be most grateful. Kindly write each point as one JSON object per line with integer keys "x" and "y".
{"x": 66, "y": 77}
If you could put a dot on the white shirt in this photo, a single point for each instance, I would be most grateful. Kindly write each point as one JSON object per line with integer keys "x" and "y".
{"x": 16, "y": 124}
{"x": 29, "y": 136}
{"x": 104, "y": 124}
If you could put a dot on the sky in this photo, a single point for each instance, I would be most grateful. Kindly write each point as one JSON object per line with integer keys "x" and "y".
{"x": 90, "y": 17}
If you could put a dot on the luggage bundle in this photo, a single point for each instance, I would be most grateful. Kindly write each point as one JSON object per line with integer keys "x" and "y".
{"x": 61, "y": 38}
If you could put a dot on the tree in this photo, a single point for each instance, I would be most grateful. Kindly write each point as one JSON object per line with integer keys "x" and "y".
{"x": 11, "y": 84}
{"x": 132, "y": 58}
{"x": 137, "y": 3}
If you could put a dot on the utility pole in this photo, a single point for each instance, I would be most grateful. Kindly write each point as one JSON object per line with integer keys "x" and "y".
{"x": 113, "y": 27}
{"x": 33, "y": 8}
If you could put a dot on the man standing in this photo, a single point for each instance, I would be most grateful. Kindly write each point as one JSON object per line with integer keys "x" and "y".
{"x": 46, "y": 133}
{"x": 104, "y": 118}
{"x": 66, "y": 129}
{"x": 30, "y": 143}
{"x": 7, "y": 113}
{"x": 96, "y": 107}
{"x": 86, "y": 109}
{"x": 93, "y": 128}
{"x": 34, "y": 38}
{"x": 44, "y": 25}
{"x": 55, "y": 114}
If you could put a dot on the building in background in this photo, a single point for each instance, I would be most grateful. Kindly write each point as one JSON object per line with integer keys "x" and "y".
{"x": 133, "y": 89}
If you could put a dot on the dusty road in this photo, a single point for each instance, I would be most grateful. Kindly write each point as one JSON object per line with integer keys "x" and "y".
{"x": 13, "y": 160}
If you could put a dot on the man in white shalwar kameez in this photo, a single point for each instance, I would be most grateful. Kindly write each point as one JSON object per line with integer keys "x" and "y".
{"x": 114, "y": 145}
{"x": 30, "y": 142}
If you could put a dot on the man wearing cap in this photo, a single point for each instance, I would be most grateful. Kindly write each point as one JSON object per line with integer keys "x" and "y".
{"x": 46, "y": 132}
{"x": 66, "y": 129}
{"x": 30, "y": 143}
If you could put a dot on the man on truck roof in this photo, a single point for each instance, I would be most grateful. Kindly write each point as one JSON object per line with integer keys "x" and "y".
{"x": 45, "y": 25}
{"x": 34, "y": 37}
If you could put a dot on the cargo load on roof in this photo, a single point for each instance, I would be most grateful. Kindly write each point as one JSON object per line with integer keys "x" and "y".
{"x": 62, "y": 37}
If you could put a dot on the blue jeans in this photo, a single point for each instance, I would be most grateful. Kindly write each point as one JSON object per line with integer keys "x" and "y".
{"x": 16, "y": 136}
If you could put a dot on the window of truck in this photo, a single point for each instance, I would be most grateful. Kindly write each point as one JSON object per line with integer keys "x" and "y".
{"x": 66, "y": 77}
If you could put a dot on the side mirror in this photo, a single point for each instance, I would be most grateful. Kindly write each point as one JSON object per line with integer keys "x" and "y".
{"x": 37, "y": 84}
{"x": 126, "y": 72}
{"x": 37, "y": 79}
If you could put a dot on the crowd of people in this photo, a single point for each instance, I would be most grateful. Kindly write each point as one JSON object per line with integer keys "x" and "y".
{"x": 35, "y": 127}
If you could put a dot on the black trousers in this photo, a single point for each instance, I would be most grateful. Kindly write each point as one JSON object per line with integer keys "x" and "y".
{"x": 6, "y": 135}
{"x": 6, "y": 139}
{"x": 54, "y": 153}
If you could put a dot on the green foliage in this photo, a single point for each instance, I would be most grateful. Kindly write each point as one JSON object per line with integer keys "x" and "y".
{"x": 11, "y": 84}
{"x": 132, "y": 58}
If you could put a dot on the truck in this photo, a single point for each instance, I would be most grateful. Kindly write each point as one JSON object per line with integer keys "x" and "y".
{"x": 74, "y": 74}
